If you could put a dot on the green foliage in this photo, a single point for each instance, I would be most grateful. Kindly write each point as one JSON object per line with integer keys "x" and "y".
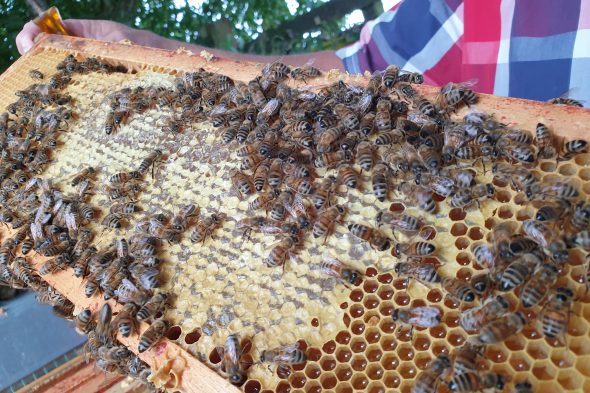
{"x": 225, "y": 24}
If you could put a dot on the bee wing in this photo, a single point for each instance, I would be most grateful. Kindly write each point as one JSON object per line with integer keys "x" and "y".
{"x": 270, "y": 229}
{"x": 571, "y": 93}
{"x": 125, "y": 291}
{"x": 71, "y": 222}
{"x": 296, "y": 207}
{"x": 420, "y": 315}
{"x": 309, "y": 62}
{"x": 469, "y": 83}
{"x": 36, "y": 231}
{"x": 284, "y": 353}
{"x": 331, "y": 266}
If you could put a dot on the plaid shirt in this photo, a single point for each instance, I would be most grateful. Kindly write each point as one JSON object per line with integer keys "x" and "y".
{"x": 535, "y": 49}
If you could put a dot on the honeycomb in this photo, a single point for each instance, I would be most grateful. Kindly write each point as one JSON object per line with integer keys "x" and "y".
{"x": 223, "y": 286}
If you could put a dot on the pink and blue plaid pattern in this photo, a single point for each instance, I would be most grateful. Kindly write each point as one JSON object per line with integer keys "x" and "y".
{"x": 536, "y": 49}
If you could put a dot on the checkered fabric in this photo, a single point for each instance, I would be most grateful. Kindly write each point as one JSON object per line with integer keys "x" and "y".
{"x": 535, "y": 49}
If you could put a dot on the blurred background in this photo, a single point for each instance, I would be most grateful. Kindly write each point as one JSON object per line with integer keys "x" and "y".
{"x": 254, "y": 26}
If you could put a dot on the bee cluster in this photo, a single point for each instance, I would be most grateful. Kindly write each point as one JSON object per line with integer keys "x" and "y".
{"x": 304, "y": 153}
{"x": 299, "y": 149}
{"x": 57, "y": 226}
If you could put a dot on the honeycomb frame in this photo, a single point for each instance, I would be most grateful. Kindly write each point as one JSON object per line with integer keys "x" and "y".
{"x": 359, "y": 352}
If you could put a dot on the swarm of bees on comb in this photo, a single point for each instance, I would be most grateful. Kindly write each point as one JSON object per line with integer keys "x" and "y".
{"x": 302, "y": 152}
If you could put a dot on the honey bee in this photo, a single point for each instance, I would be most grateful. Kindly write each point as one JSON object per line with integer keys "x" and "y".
{"x": 473, "y": 382}
{"x": 92, "y": 343}
{"x": 566, "y": 101}
{"x": 422, "y": 316}
{"x": 275, "y": 173}
{"x": 458, "y": 289}
{"x": 256, "y": 93}
{"x": 326, "y": 220}
{"x": 279, "y": 207}
{"x": 570, "y": 148}
{"x": 440, "y": 185}
{"x": 113, "y": 221}
{"x": 281, "y": 250}
{"x": 410, "y": 77}
{"x": 515, "y": 152}
{"x": 414, "y": 249}
{"x": 277, "y": 71}
{"x": 84, "y": 322}
{"x": 473, "y": 152}
{"x": 332, "y": 159}
{"x": 149, "y": 161}
{"x": 242, "y": 183}
{"x": 453, "y": 94}
{"x": 366, "y": 124}
{"x": 328, "y": 138}
{"x": 465, "y": 197}
{"x": 348, "y": 118}
{"x": 364, "y": 155}
{"x": 466, "y": 357}
{"x": 501, "y": 328}
{"x": 374, "y": 237}
{"x": 418, "y": 196}
{"x": 477, "y": 317}
{"x": 125, "y": 321}
{"x": 305, "y": 72}
{"x": 123, "y": 177}
{"x": 36, "y": 74}
{"x": 518, "y": 176}
{"x": 54, "y": 265}
{"x": 481, "y": 284}
{"x": 251, "y": 162}
{"x": 323, "y": 192}
{"x": 284, "y": 356}
{"x": 431, "y": 157}
{"x": 580, "y": 239}
{"x": 229, "y": 134}
{"x": 91, "y": 286}
{"x": 103, "y": 325}
{"x": 300, "y": 185}
{"x": 206, "y": 227}
{"x": 423, "y": 105}
{"x": 402, "y": 222}
{"x": 348, "y": 176}
{"x": 350, "y": 140}
{"x": 157, "y": 304}
{"x": 535, "y": 289}
{"x": 335, "y": 268}
{"x": 124, "y": 208}
{"x": 261, "y": 175}
{"x": 390, "y": 76}
{"x": 113, "y": 355}
{"x": 382, "y": 120}
{"x": 148, "y": 277}
{"x": 380, "y": 182}
{"x": 392, "y": 137}
{"x": 555, "y": 314}
{"x": 297, "y": 171}
{"x": 152, "y": 335}
{"x": 580, "y": 219}
{"x": 550, "y": 240}
{"x": 422, "y": 272}
{"x": 429, "y": 379}
{"x": 231, "y": 355}
{"x": 544, "y": 142}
